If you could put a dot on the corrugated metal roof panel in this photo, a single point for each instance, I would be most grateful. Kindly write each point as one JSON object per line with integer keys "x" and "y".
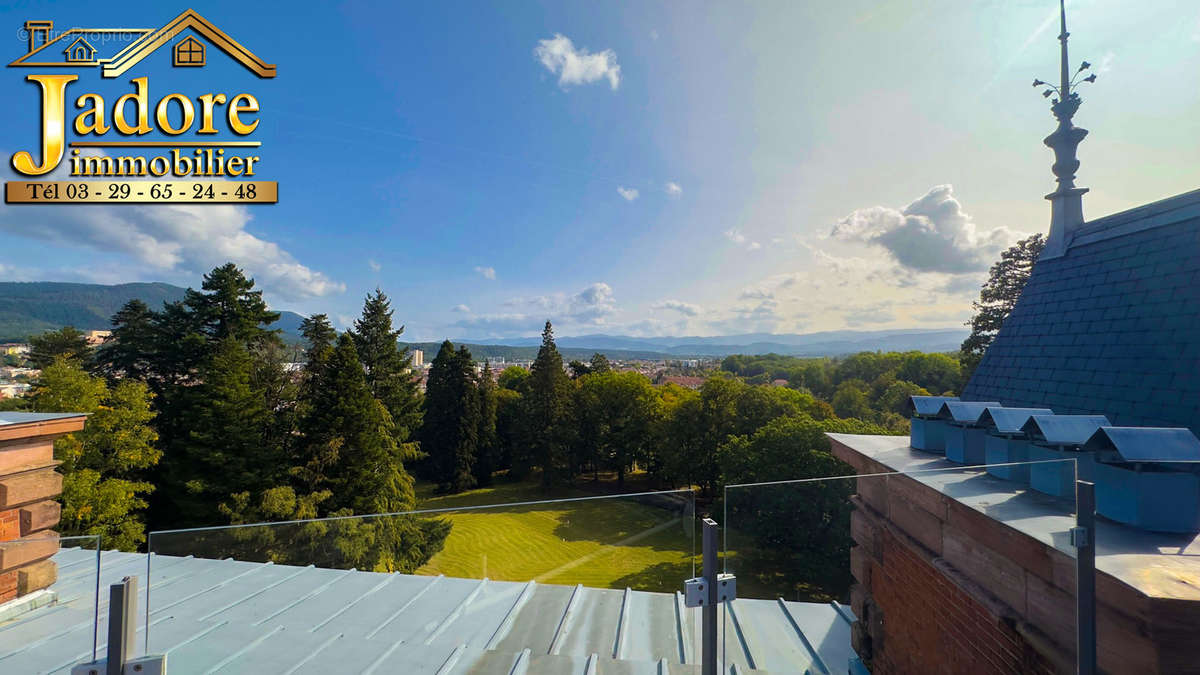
{"x": 1147, "y": 444}
{"x": 964, "y": 412}
{"x": 1064, "y": 429}
{"x": 238, "y": 617}
{"x": 1009, "y": 420}
{"x": 926, "y": 406}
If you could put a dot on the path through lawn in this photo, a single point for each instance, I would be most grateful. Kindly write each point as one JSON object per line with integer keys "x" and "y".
{"x": 602, "y": 543}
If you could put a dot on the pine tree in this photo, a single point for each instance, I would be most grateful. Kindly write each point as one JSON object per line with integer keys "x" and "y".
{"x": 547, "y": 407}
{"x": 103, "y": 492}
{"x": 487, "y": 460}
{"x": 127, "y": 352}
{"x": 1006, "y": 280}
{"x": 450, "y": 433}
{"x": 226, "y": 450}
{"x": 66, "y": 341}
{"x": 388, "y": 366}
{"x": 231, "y": 308}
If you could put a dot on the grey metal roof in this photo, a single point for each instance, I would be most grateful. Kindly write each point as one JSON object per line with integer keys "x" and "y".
{"x": 1112, "y": 327}
{"x": 1147, "y": 444}
{"x": 28, "y": 417}
{"x": 229, "y": 616}
{"x": 926, "y": 406}
{"x": 1009, "y": 420}
{"x": 964, "y": 412}
{"x": 1064, "y": 429}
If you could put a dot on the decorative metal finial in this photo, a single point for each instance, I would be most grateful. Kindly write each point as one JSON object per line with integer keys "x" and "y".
{"x": 1066, "y": 203}
{"x": 1068, "y": 101}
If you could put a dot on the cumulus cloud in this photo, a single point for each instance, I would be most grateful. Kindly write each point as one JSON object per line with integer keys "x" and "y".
{"x": 628, "y": 194}
{"x": 674, "y": 189}
{"x": 766, "y": 288}
{"x": 735, "y": 235}
{"x": 685, "y": 308}
{"x": 189, "y": 239}
{"x": 486, "y": 272}
{"x": 590, "y": 307}
{"x": 183, "y": 239}
{"x": 932, "y": 234}
{"x": 375, "y": 267}
{"x": 577, "y": 65}
{"x": 463, "y": 309}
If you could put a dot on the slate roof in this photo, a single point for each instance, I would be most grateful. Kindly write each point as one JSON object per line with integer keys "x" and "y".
{"x": 229, "y": 616}
{"x": 1112, "y": 327}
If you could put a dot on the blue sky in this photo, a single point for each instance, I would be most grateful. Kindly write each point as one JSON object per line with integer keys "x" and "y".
{"x": 637, "y": 168}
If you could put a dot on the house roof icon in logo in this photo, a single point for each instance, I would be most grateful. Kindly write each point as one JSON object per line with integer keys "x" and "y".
{"x": 133, "y": 45}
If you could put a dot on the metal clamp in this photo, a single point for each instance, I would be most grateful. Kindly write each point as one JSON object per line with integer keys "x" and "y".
{"x": 695, "y": 591}
{"x": 1079, "y": 537}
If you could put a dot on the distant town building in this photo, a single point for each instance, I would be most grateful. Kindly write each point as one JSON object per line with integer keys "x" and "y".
{"x": 14, "y": 349}
{"x": 97, "y": 337}
{"x": 418, "y": 358}
{"x": 14, "y": 390}
{"x": 684, "y": 381}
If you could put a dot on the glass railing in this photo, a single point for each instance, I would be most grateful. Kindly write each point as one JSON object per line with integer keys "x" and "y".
{"x": 50, "y": 599}
{"x": 840, "y": 555}
{"x": 385, "y": 592}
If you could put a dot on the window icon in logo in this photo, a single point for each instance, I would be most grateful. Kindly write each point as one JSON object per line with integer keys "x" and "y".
{"x": 189, "y": 52}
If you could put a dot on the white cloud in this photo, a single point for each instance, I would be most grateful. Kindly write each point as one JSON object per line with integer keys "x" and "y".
{"x": 462, "y": 309}
{"x": 932, "y": 234}
{"x": 767, "y": 287}
{"x": 673, "y": 189}
{"x": 486, "y": 272}
{"x": 628, "y": 194}
{"x": 588, "y": 308}
{"x": 685, "y": 308}
{"x": 173, "y": 238}
{"x": 653, "y": 34}
{"x": 1106, "y": 63}
{"x": 735, "y": 235}
{"x": 375, "y": 267}
{"x": 577, "y": 65}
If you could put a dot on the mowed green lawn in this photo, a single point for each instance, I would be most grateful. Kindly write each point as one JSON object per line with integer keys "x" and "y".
{"x": 603, "y": 543}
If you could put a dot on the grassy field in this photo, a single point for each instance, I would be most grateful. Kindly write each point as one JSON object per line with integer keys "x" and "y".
{"x": 613, "y": 542}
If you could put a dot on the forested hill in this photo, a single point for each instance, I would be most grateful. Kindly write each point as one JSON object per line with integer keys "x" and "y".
{"x": 29, "y": 308}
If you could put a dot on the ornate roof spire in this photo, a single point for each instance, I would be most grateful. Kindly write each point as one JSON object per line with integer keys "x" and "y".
{"x": 1066, "y": 203}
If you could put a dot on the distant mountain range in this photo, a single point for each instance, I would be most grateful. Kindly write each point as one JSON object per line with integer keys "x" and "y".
{"x": 828, "y": 343}
{"x": 29, "y": 308}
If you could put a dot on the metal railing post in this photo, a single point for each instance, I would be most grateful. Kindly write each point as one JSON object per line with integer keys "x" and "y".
{"x": 122, "y": 624}
{"x": 709, "y": 653}
{"x": 1084, "y": 539}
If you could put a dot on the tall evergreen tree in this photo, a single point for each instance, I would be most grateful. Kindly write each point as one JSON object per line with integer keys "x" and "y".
{"x": 450, "y": 433}
{"x": 388, "y": 367}
{"x": 487, "y": 460}
{"x": 547, "y": 409}
{"x": 1006, "y": 280}
{"x": 66, "y": 341}
{"x": 226, "y": 450}
{"x": 231, "y": 308}
{"x": 127, "y": 352}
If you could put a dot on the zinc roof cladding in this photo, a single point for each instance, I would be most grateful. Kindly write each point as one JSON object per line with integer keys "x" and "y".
{"x": 231, "y": 616}
{"x": 1112, "y": 327}
{"x": 1147, "y": 444}
{"x": 7, "y": 418}
{"x": 964, "y": 412}
{"x": 926, "y": 406}
{"x": 1009, "y": 420}
{"x": 1063, "y": 429}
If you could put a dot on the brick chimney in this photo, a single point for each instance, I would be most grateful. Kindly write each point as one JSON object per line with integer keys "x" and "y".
{"x": 29, "y": 485}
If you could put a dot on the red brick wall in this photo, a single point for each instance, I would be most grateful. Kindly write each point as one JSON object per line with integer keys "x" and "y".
{"x": 932, "y": 625}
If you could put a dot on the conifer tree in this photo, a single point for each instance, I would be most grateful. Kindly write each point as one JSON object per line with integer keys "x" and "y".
{"x": 388, "y": 367}
{"x": 487, "y": 459}
{"x": 225, "y": 451}
{"x": 450, "y": 433}
{"x": 547, "y": 409}
{"x": 66, "y": 341}
{"x": 127, "y": 352}
{"x": 1006, "y": 280}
